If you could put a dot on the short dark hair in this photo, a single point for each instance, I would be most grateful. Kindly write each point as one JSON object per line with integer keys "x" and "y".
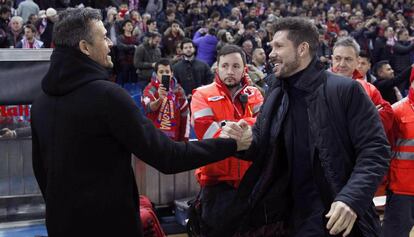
{"x": 230, "y": 48}
{"x": 365, "y": 54}
{"x": 123, "y": 24}
{"x": 400, "y": 32}
{"x": 299, "y": 30}
{"x": 154, "y": 34}
{"x": 186, "y": 41}
{"x": 149, "y": 21}
{"x": 4, "y": 9}
{"x": 31, "y": 27}
{"x": 74, "y": 25}
{"x": 162, "y": 61}
{"x": 378, "y": 66}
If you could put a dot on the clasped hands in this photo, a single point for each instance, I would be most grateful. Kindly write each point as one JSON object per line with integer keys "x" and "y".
{"x": 241, "y": 131}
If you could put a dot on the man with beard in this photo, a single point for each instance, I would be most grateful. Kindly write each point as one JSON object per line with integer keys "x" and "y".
{"x": 191, "y": 72}
{"x": 227, "y": 100}
{"x": 84, "y": 129}
{"x": 319, "y": 150}
{"x": 387, "y": 83}
{"x": 145, "y": 57}
{"x": 29, "y": 40}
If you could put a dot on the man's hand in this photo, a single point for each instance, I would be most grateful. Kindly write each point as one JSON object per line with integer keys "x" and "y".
{"x": 231, "y": 130}
{"x": 240, "y": 131}
{"x": 162, "y": 92}
{"x": 6, "y": 133}
{"x": 341, "y": 217}
{"x": 247, "y": 137}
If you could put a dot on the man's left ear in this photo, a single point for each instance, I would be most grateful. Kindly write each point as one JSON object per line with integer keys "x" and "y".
{"x": 83, "y": 47}
{"x": 303, "y": 48}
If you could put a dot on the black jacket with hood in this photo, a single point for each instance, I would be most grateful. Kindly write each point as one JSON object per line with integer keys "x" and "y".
{"x": 84, "y": 129}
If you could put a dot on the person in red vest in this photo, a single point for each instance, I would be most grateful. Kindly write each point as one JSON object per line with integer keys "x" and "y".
{"x": 228, "y": 99}
{"x": 399, "y": 215}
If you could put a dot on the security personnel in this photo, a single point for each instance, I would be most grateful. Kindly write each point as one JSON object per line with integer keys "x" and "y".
{"x": 228, "y": 98}
{"x": 399, "y": 210}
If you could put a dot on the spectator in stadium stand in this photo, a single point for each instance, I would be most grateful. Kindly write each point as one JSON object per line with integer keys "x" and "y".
{"x": 151, "y": 27}
{"x": 403, "y": 49}
{"x": 268, "y": 38}
{"x": 16, "y": 30}
{"x": 364, "y": 68}
{"x": 82, "y": 160}
{"x": 384, "y": 44}
{"x": 206, "y": 41}
{"x": 224, "y": 38}
{"x": 365, "y": 34}
{"x": 345, "y": 62}
{"x": 111, "y": 25}
{"x": 45, "y": 27}
{"x": 145, "y": 57}
{"x": 247, "y": 47}
{"x": 251, "y": 17}
{"x": 190, "y": 72}
{"x": 32, "y": 19}
{"x": 26, "y": 8}
{"x": 170, "y": 18}
{"x": 162, "y": 16}
{"x": 387, "y": 83}
{"x": 136, "y": 20}
{"x": 154, "y": 7}
{"x": 5, "y": 14}
{"x": 126, "y": 45}
{"x": 168, "y": 108}
{"x": 172, "y": 36}
{"x": 249, "y": 33}
{"x": 324, "y": 51}
{"x": 259, "y": 61}
{"x": 29, "y": 40}
{"x": 144, "y": 26}
{"x": 180, "y": 13}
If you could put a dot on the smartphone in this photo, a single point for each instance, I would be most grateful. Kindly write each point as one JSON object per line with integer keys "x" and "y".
{"x": 165, "y": 80}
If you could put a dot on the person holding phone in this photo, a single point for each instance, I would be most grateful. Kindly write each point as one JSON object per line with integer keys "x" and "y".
{"x": 165, "y": 102}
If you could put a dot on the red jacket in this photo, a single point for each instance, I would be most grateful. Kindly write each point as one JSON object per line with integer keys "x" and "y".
{"x": 385, "y": 112}
{"x": 173, "y": 115}
{"x": 212, "y": 104}
{"x": 401, "y": 173}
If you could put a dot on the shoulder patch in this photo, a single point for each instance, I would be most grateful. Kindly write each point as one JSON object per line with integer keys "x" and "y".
{"x": 215, "y": 98}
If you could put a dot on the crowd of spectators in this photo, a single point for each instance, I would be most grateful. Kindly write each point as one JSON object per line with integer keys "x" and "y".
{"x": 142, "y": 32}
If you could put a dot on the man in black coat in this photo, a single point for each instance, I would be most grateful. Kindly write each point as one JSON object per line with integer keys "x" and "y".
{"x": 84, "y": 129}
{"x": 319, "y": 150}
{"x": 191, "y": 72}
{"x": 387, "y": 83}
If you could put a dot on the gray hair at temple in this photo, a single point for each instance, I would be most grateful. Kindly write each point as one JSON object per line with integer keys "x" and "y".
{"x": 74, "y": 25}
{"x": 348, "y": 41}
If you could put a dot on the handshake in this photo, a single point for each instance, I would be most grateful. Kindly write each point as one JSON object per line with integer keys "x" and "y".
{"x": 240, "y": 131}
